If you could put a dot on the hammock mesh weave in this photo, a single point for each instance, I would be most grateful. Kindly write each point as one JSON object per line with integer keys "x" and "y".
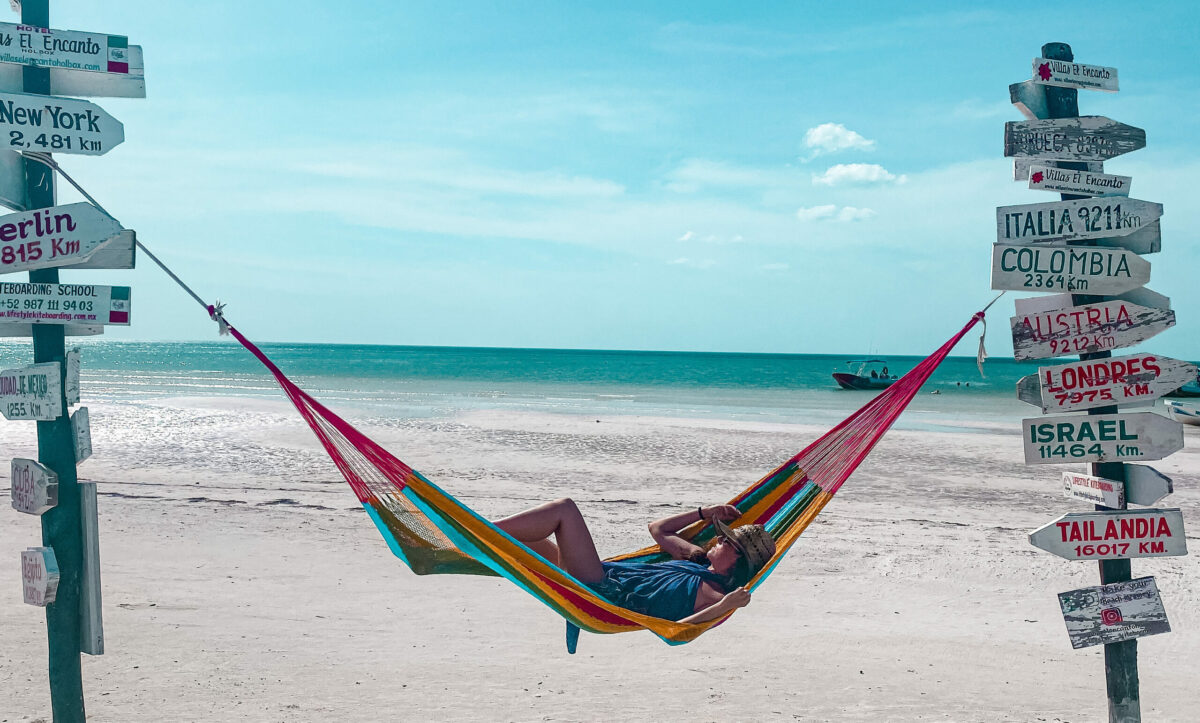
{"x": 434, "y": 533}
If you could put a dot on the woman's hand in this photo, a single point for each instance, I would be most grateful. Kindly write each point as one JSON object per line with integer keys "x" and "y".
{"x": 723, "y": 513}
{"x": 736, "y": 598}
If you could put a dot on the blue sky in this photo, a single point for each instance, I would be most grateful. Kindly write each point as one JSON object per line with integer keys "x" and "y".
{"x": 779, "y": 177}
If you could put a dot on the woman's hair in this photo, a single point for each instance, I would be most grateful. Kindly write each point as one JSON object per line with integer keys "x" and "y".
{"x": 737, "y": 577}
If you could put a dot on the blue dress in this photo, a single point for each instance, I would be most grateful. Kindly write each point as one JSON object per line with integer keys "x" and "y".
{"x": 664, "y": 590}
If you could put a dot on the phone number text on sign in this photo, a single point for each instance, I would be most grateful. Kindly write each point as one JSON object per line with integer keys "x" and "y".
{"x": 64, "y": 303}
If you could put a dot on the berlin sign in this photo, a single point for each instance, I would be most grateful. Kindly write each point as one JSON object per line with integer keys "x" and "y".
{"x": 1078, "y": 269}
{"x": 31, "y": 45}
{"x": 1085, "y": 138}
{"x": 60, "y": 125}
{"x": 51, "y": 237}
{"x": 75, "y": 82}
{"x": 1137, "y": 379}
{"x": 1066, "y": 74}
{"x": 1022, "y": 166}
{"x": 1100, "y": 438}
{"x": 86, "y": 304}
{"x": 39, "y": 576}
{"x": 1113, "y": 534}
{"x": 34, "y": 487}
{"x": 1145, "y": 485}
{"x": 33, "y": 392}
{"x": 1111, "y": 613}
{"x": 1086, "y": 329}
{"x": 1084, "y": 218}
{"x": 1060, "y": 180}
{"x": 1096, "y": 490}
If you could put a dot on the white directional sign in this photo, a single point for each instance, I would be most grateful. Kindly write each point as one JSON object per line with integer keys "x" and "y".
{"x": 50, "y": 124}
{"x": 1086, "y": 138}
{"x": 1022, "y": 166}
{"x": 1085, "y": 218}
{"x": 1097, "y": 490}
{"x": 13, "y": 193}
{"x": 1030, "y": 99}
{"x": 86, "y": 83}
{"x": 1057, "y": 302}
{"x": 34, "y": 487}
{"x": 1111, "y": 613}
{"x": 1060, "y": 180}
{"x": 39, "y": 576}
{"x": 26, "y": 330}
{"x": 119, "y": 252}
{"x": 33, "y": 392}
{"x": 1145, "y": 485}
{"x": 51, "y": 237}
{"x": 1086, "y": 329}
{"x": 71, "y": 389}
{"x": 31, "y": 45}
{"x": 1079, "y": 269}
{"x": 1137, "y": 379}
{"x": 87, "y": 304}
{"x": 1100, "y": 438}
{"x": 1066, "y": 74}
{"x": 81, "y": 429}
{"x": 1113, "y": 535}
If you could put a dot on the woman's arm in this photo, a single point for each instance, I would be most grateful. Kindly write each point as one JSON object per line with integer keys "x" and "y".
{"x": 736, "y": 598}
{"x": 666, "y": 531}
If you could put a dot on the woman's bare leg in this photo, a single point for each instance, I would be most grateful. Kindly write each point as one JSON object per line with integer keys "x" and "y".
{"x": 561, "y": 518}
{"x": 547, "y": 549}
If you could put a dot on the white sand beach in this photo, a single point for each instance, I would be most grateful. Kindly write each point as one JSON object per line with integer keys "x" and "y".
{"x": 242, "y": 581}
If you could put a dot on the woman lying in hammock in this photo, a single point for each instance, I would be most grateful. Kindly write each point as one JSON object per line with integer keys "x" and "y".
{"x": 698, "y": 585}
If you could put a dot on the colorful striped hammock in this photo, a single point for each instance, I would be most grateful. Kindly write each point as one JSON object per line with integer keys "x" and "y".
{"x": 433, "y": 533}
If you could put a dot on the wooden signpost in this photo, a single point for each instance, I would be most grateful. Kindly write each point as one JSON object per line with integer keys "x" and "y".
{"x": 1145, "y": 486}
{"x": 34, "y": 487}
{"x": 1100, "y": 438}
{"x": 1097, "y": 490}
{"x": 1087, "y": 218}
{"x": 33, "y": 392}
{"x": 1107, "y": 614}
{"x": 1137, "y": 379}
{"x": 1063, "y": 268}
{"x": 43, "y": 303}
{"x": 1086, "y": 138}
{"x": 39, "y": 575}
{"x": 1074, "y": 75}
{"x": 1113, "y": 534}
{"x": 51, "y": 237}
{"x": 30, "y": 122}
{"x": 1102, "y": 326}
{"x": 1084, "y": 182}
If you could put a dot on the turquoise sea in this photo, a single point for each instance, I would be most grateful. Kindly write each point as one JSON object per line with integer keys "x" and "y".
{"x": 411, "y": 381}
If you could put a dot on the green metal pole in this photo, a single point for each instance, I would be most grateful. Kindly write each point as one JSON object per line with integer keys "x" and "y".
{"x": 62, "y": 527}
{"x": 1120, "y": 659}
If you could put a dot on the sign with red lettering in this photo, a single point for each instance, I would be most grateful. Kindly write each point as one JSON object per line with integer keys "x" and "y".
{"x": 1077, "y": 269}
{"x": 1113, "y": 535}
{"x": 39, "y": 576}
{"x": 51, "y": 237}
{"x": 1137, "y": 379}
{"x": 1085, "y": 138}
{"x": 1086, "y": 329}
{"x": 1069, "y": 180}
{"x": 1097, "y": 490}
{"x": 1023, "y": 167}
{"x": 1111, "y": 613}
{"x": 1084, "y": 218}
{"x": 34, "y": 487}
{"x": 1100, "y": 438}
{"x": 1145, "y": 486}
{"x": 1067, "y": 74}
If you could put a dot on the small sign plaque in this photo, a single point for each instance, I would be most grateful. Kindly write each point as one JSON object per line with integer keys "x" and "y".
{"x": 1096, "y": 490}
{"x": 96, "y": 52}
{"x": 39, "y": 575}
{"x": 81, "y": 427}
{"x": 1058, "y": 180}
{"x": 32, "y": 392}
{"x": 1067, "y": 74}
{"x": 1112, "y": 613}
{"x": 34, "y": 487}
{"x": 77, "y": 304}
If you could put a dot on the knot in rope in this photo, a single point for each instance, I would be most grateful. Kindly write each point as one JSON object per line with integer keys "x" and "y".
{"x": 216, "y": 313}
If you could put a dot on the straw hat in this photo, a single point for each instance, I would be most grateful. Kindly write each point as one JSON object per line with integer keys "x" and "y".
{"x": 753, "y": 541}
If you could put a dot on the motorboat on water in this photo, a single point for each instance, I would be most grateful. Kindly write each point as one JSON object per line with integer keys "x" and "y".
{"x": 1183, "y": 412}
{"x": 1191, "y": 389}
{"x": 865, "y": 374}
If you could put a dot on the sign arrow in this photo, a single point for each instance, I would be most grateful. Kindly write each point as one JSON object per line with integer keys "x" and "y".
{"x": 50, "y": 124}
{"x": 1086, "y": 329}
{"x": 1134, "y": 380}
{"x": 52, "y": 237}
{"x": 1077, "y": 269}
{"x": 1100, "y": 438}
{"x": 1076, "y": 220}
{"x": 33, "y": 392}
{"x": 1084, "y": 138}
{"x": 1145, "y": 485}
{"x": 34, "y": 487}
{"x": 1113, "y": 535}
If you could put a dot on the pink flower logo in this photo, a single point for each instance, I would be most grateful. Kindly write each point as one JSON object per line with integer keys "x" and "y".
{"x": 1037, "y": 177}
{"x": 1044, "y": 71}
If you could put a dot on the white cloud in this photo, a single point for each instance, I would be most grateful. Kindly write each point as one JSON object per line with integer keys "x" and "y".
{"x": 816, "y": 213}
{"x": 687, "y": 236}
{"x": 850, "y": 213}
{"x": 693, "y": 263}
{"x": 830, "y": 212}
{"x": 696, "y": 173}
{"x": 834, "y": 137}
{"x": 856, "y": 173}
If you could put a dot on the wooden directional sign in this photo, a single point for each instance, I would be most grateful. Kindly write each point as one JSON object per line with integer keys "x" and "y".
{"x": 1079, "y": 269}
{"x": 1085, "y": 138}
{"x": 96, "y": 52}
{"x": 1022, "y": 166}
{"x": 1133, "y": 380}
{"x": 1111, "y": 613}
{"x": 87, "y": 304}
{"x": 34, "y": 487}
{"x": 1097, "y": 490}
{"x": 1113, "y": 534}
{"x": 13, "y": 193}
{"x": 1100, "y": 438}
{"x": 33, "y": 392}
{"x": 26, "y": 330}
{"x": 1029, "y": 98}
{"x": 39, "y": 575}
{"x": 1087, "y": 183}
{"x": 86, "y": 83}
{"x": 71, "y": 388}
{"x": 118, "y": 252}
{"x": 1066, "y": 74}
{"x": 1145, "y": 485}
{"x": 1086, "y": 329}
{"x": 50, "y": 124}
{"x": 1076, "y": 220}
{"x": 51, "y": 237}
{"x": 81, "y": 429}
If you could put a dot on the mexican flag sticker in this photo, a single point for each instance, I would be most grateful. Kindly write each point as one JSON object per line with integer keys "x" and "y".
{"x": 118, "y": 305}
{"x": 118, "y": 54}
